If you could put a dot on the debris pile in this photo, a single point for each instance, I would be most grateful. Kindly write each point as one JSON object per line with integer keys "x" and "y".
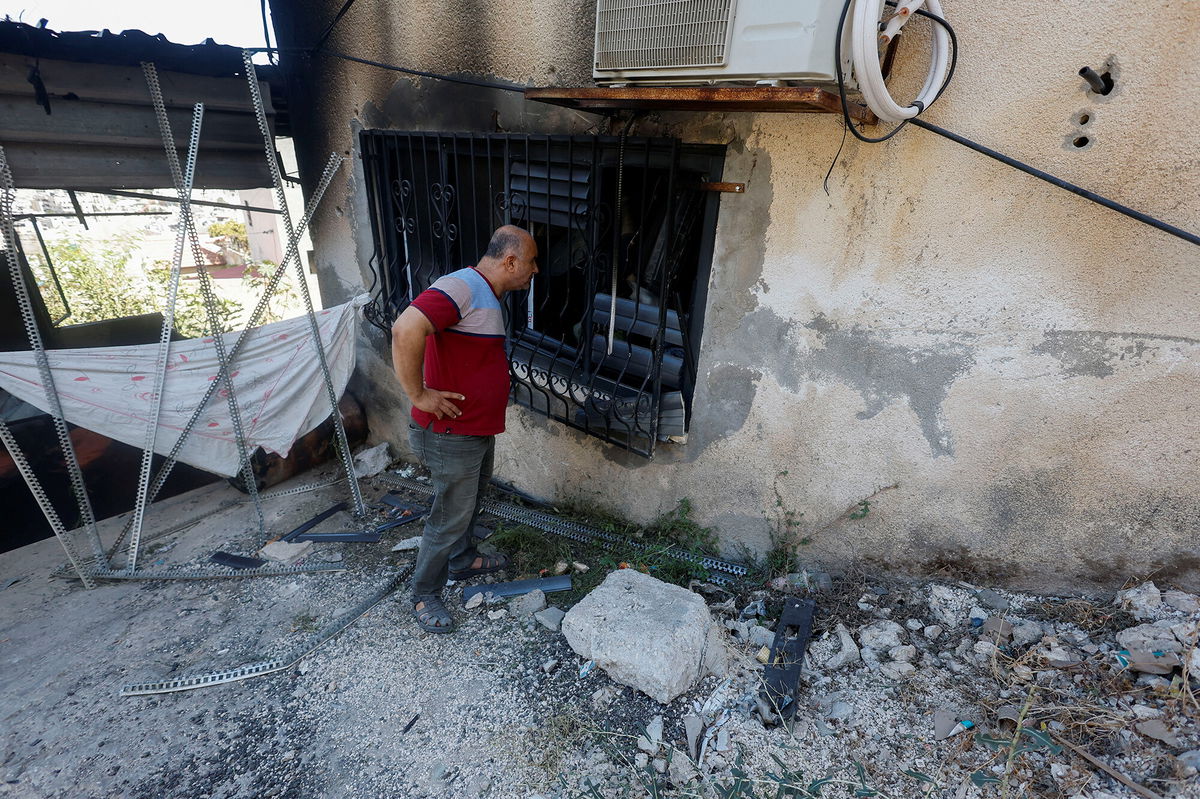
{"x": 946, "y": 688}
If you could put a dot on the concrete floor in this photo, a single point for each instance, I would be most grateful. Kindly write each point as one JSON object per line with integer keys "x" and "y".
{"x": 65, "y": 653}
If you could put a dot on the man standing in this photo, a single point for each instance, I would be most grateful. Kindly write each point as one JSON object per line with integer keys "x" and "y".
{"x": 448, "y": 353}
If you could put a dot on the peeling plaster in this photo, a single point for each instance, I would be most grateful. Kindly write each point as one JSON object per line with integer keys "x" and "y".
{"x": 879, "y": 370}
{"x": 1092, "y": 353}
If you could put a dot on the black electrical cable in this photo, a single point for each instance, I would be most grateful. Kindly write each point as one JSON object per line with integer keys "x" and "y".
{"x": 1191, "y": 238}
{"x": 266, "y": 30}
{"x": 508, "y": 87}
{"x": 329, "y": 28}
{"x": 422, "y": 73}
{"x": 841, "y": 78}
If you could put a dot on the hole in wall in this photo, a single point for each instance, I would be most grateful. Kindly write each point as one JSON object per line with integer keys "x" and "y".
{"x": 1085, "y": 118}
{"x": 1081, "y": 142}
{"x": 1106, "y": 76}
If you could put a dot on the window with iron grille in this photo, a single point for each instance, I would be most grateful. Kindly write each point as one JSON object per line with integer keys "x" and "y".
{"x": 606, "y": 338}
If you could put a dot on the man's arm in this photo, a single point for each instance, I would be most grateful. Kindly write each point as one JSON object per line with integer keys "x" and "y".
{"x": 408, "y": 359}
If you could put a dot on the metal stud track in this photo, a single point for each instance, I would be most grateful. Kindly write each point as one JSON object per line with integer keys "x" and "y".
{"x": 43, "y": 501}
{"x": 164, "y": 471}
{"x": 343, "y": 443}
{"x": 188, "y": 573}
{"x": 723, "y": 571}
{"x": 168, "y": 313}
{"x": 268, "y": 666}
{"x": 183, "y": 185}
{"x": 7, "y": 194}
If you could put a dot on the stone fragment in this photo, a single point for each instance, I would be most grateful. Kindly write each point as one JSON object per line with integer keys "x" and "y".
{"x": 681, "y": 770}
{"x": 1026, "y": 632}
{"x": 284, "y": 552}
{"x": 914, "y": 624}
{"x": 692, "y": 727}
{"x": 526, "y": 605}
{"x": 1142, "y": 601}
{"x": 761, "y": 636}
{"x": 933, "y": 631}
{"x": 1149, "y": 637}
{"x": 831, "y": 657}
{"x": 651, "y": 739}
{"x": 903, "y": 654}
{"x": 880, "y": 635}
{"x": 370, "y": 462}
{"x": 985, "y": 648}
{"x": 408, "y": 544}
{"x": 550, "y": 618}
{"x": 896, "y": 670}
{"x": 475, "y": 601}
{"x": 641, "y": 760}
{"x": 550, "y": 665}
{"x": 561, "y": 567}
{"x": 579, "y": 567}
{"x": 948, "y": 605}
{"x": 992, "y": 599}
{"x": 840, "y": 710}
{"x": 996, "y": 628}
{"x": 1158, "y": 730}
{"x": 495, "y": 615}
{"x": 1182, "y": 601}
{"x": 652, "y": 636}
{"x": 659, "y": 764}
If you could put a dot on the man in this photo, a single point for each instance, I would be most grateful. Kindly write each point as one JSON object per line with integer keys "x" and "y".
{"x": 448, "y": 353}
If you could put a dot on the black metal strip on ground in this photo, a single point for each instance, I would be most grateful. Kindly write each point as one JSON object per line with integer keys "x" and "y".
{"x": 314, "y": 521}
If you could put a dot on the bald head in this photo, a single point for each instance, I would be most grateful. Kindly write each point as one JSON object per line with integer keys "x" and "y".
{"x": 510, "y": 261}
{"x": 507, "y": 240}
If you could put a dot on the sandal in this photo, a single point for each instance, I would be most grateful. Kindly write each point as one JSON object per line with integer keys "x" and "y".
{"x": 488, "y": 565}
{"x": 433, "y": 617}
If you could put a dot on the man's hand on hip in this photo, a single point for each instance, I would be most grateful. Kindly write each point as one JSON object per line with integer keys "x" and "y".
{"x": 438, "y": 403}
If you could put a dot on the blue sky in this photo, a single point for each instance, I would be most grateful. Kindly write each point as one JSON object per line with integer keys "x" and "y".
{"x": 235, "y": 22}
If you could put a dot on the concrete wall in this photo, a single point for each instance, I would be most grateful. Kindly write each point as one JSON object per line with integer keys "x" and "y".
{"x": 1007, "y": 372}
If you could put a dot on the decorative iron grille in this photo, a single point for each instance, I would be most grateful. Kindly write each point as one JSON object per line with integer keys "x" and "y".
{"x": 638, "y": 34}
{"x": 611, "y": 216}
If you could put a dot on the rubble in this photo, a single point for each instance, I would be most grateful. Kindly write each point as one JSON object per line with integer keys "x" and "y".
{"x": 284, "y": 552}
{"x": 650, "y": 635}
{"x": 370, "y": 462}
{"x": 526, "y": 605}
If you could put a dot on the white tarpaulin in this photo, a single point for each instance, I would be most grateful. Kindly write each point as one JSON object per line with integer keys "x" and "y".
{"x": 276, "y": 377}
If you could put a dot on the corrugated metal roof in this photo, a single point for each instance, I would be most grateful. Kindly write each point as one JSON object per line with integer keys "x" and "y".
{"x": 75, "y": 111}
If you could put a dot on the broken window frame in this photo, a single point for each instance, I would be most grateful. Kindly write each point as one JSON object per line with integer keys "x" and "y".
{"x": 434, "y": 199}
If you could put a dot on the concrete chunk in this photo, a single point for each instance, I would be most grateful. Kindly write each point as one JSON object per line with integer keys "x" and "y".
{"x": 652, "y": 636}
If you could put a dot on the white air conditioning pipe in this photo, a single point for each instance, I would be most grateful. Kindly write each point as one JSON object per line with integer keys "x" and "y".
{"x": 865, "y": 38}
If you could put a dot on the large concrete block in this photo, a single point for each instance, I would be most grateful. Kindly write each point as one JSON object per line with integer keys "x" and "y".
{"x": 647, "y": 634}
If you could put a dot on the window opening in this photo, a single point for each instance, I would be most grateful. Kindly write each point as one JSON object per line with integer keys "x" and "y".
{"x": 598, "y": 207}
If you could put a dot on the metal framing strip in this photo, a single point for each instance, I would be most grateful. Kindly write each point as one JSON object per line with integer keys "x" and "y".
{"x": 164, "y": 471}
{"x": 43, "y": 501}
{"x": 190, "y": 573}
{"x": 168, "y": 323}
{"x": 343, "y": 443}
{"x": 7, "y": 194}
{"x": 269, "y": 666}
{"x": 183, "y": 185}
{"x": 725, "y": 571}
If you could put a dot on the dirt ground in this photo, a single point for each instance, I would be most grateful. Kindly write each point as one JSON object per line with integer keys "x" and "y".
{"x": 500, "y": 707}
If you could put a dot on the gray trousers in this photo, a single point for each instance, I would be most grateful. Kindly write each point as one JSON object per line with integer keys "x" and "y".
{"x": 460, "y": 467}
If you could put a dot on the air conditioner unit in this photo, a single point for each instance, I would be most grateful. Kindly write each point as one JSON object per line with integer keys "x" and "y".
{"x": 702, "y": 42}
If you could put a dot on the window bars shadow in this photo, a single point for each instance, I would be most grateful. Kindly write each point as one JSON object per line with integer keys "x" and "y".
{"x": 605, "y": 340}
